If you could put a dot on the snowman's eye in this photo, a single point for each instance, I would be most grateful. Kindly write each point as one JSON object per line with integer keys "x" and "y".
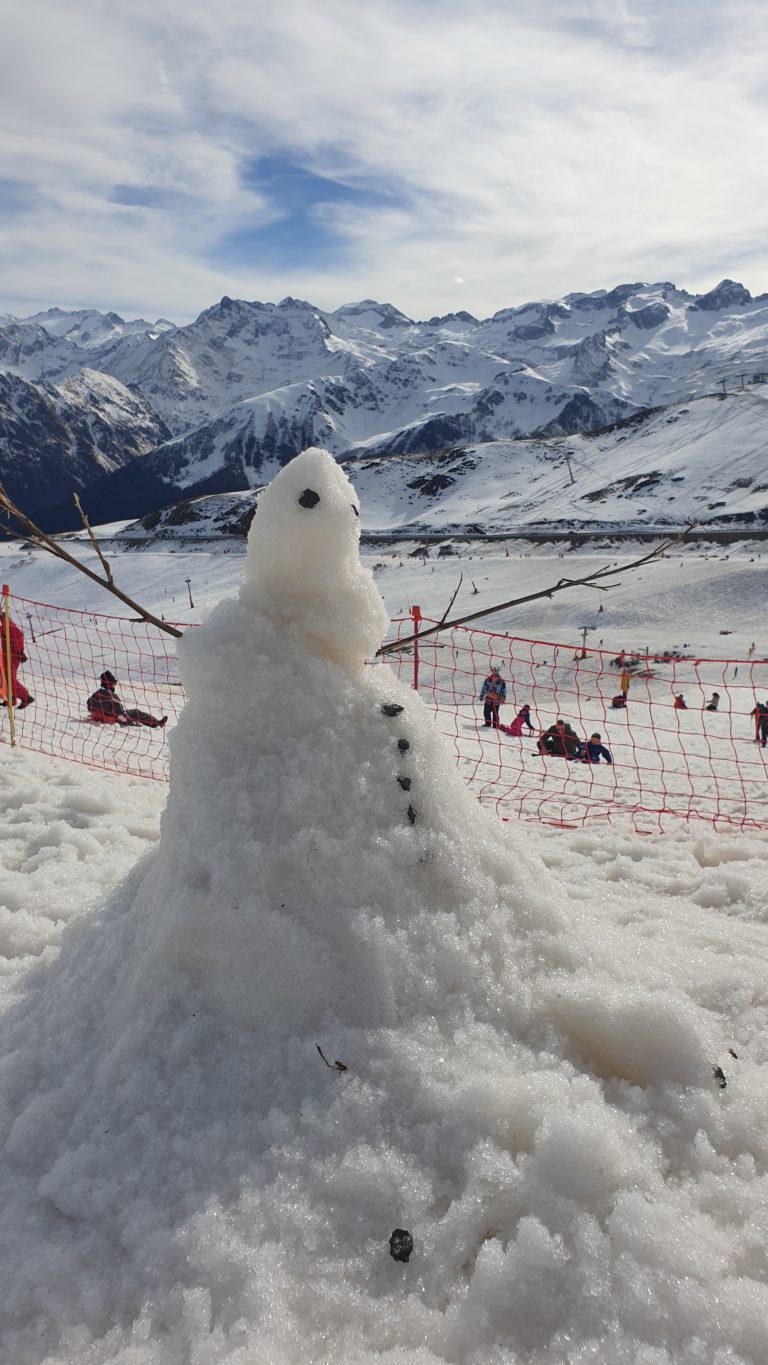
{"x": 309, "y": 498}
{"x": 355, "y": 510}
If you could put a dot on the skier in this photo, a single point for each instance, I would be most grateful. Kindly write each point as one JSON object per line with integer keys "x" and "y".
{"x": 12, "y": 641}
{"x": 492, "y": 693}
{"x": 594, "y": 750}
{"x": 105, "y": 706}
{"x": 522, "y": 718}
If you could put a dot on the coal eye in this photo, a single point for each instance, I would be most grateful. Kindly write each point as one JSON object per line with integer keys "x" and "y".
{"x": 354, "y": 509}
{"x": 309, "y": 498}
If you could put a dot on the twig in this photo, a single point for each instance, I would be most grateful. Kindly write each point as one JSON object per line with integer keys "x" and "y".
{"x": 589, "y": 580}
{"x": 42, "y": 540}
{"x": 92, "y": 538}
{"x": 332, "y": 1066}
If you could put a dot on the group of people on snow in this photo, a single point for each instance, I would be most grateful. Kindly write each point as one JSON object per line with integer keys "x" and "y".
{"x": 103, "y": 705}
{"x": 561, "y": 739}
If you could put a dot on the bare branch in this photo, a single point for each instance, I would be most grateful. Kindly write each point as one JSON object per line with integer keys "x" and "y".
{"x": 37, "y": 537}
{"x": 92, "y": 538}
{"x": 589, "y": 580}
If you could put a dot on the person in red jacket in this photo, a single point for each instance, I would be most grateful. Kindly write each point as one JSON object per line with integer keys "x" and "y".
{"x": 15, "y": 637}
{"x": 105, "y": 706}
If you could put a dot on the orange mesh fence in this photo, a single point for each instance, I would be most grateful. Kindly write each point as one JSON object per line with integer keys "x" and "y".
{"x": 67, "y": 651}
{"x": 670, "y": 764}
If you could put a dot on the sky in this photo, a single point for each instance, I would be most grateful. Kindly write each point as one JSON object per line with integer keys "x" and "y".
{"x": 426, "y": 153}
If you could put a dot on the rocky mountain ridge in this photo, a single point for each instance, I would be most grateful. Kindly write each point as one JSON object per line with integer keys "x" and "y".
{"x": 247, "y": 384}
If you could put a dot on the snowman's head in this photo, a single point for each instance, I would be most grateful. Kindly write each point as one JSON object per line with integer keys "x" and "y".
{"x": 303, "y": 564}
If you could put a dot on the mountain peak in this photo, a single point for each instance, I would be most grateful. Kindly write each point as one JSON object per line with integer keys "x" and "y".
{"x": 726, "y": 294}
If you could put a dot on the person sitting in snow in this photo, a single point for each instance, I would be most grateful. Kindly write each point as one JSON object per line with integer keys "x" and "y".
{"x": 105, "y": 706}
{"x": 594, "y": 750}
{"x": 619, "y": 702}
{"x": 680, "y": 702}
{"x": 713, "y": 702}
{"x": 560, "y": 741}
{"x": 12, "y": 642}
{"x": 522, "y": 718}
{"x": 492, "y": 693}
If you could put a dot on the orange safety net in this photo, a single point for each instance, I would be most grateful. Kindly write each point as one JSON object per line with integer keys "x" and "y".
{"x": 670, "y": 765}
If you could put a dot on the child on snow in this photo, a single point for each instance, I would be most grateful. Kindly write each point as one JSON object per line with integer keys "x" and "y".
{"x": 594, "y": 750}
{"x": 105, "y": 706}
{"x": 760, "y": 714}
{"x": 713, "y": 702}
{"x": 522, "y": 718}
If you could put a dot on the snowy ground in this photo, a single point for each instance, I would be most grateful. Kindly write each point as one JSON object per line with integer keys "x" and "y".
{"x": 600, "y": 1199}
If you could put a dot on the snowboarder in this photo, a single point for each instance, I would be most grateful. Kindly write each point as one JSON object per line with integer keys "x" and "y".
{"x": 12, "y": 642}
{"x": 105, "y": 706}
{"x": 594, "y": 750}
{"x": 560, "y": 741}
{"x": 522, "y": 718}
{"x": 713, "y": 703}
{"x": 492, "y": 693}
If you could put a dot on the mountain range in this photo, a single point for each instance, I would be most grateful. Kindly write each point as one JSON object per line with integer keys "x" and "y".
{"x": 137, "y": 416}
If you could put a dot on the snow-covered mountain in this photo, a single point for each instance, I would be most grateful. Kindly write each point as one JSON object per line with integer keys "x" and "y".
{"x": 248, "y": 384}
{"x": 58, "y": 438}
{"x": 702, "y": 462}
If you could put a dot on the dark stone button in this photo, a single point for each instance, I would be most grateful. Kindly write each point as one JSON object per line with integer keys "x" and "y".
{"x": 400, "y": 1245}
{"x": 412, "y": 815}
{"x": 403, "y": 746}
{"x": 309, "y": 498}
{"x": 405, "y": 783}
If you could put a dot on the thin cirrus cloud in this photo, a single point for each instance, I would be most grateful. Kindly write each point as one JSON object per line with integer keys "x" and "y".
{"x": 431, "y": 154}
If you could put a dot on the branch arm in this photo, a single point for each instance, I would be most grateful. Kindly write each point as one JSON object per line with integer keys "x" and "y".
{"x": 590, "y": 580}
{"x": 40, "y": 538}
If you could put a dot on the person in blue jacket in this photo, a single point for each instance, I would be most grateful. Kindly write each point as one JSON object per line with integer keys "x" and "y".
{"x": 594, "y": 750}
{"x": 492, "y": 693}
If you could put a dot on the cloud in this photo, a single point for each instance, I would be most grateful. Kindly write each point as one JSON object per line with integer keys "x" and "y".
{"x": 431, "y": 153}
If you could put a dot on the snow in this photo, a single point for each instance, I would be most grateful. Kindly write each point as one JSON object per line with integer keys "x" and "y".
{"x": 529, "y": 1019}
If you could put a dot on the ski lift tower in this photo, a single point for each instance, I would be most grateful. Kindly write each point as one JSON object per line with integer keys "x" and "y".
{"x": 584, "y": 632}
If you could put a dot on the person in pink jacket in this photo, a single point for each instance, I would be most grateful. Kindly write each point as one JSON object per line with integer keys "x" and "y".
{"x": 522, "y": 718}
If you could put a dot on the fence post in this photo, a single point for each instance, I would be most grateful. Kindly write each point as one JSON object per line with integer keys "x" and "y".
{"x": 7, "y": 665}
{"x": 416, "y": 619}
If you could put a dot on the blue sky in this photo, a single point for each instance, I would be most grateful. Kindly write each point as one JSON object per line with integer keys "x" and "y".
{"x": 431, "y": 154}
